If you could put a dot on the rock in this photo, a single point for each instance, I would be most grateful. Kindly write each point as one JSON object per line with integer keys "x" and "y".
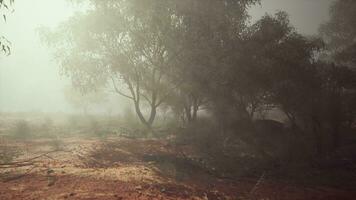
{"x": 50, "y": 184}
{"x": 51, "y": 181}
{"x": 118, "y": 197}
{"x": 50, "y": 171}
{"x": 138, "y": 187}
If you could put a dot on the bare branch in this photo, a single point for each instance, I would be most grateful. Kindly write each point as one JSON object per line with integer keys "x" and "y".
{"x": 118, "y": 91}
{"x": 146, "y": 98}
{"x": 28, "y": 162}
{"x": 135, "y": 97}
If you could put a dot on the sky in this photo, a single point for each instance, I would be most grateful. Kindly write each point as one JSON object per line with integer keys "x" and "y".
{"x": 305, "y": 15}
{"x": 30, "y": 79}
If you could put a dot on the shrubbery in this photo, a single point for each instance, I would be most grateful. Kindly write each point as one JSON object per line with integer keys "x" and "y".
{"x": 8, "y": 153}
{"x": 22, "y": 130}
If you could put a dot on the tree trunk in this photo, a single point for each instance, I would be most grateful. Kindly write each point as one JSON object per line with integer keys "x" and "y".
{"x": 195, "y": 109}
{"x": 336, "y": 119}
{"x": 336, "y": 136}
{"x": 188, "y": 113}
{"x": 318, "y": 137}
{"x": 148, "y": 123}
{"x": 152, "y": 115}
{"x": 140, "y": 115}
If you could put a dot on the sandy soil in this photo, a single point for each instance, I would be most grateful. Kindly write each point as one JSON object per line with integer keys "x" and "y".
{"x": 119, "y": 168}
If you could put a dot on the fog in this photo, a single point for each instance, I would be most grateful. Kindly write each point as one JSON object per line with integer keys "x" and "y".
{"x": 305, "y": 15}
{"x": 177, "y": 99}
{"x": 30, "y": 79}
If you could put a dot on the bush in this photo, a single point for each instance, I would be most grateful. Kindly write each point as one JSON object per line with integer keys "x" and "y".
{"x": 8, "y": 153}
{"x": 57, "y": 144}
{"x": 22, "y": 130}
{"x": 47, "y": 125}
{"x": 130, "y": 119}
{"x": 204, "y": 136}
{"x": 232, "y": 152}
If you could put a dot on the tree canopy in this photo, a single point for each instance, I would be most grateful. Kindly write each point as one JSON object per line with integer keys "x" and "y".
{"x": 340, "y": 31}
{"x": 203, "y": 56}
{"x": 140, "y": 43}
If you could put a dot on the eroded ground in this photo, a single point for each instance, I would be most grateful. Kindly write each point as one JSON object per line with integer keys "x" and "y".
{"x": 121, "y": 168}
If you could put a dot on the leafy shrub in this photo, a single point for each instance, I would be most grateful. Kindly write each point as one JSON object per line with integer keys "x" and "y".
{"x": 22, "y": 129}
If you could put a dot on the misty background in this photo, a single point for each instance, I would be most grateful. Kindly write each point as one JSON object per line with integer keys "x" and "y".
{"x": 30, "y": 78}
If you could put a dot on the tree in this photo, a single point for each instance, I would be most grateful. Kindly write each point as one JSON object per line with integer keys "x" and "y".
{"x": 287, "y": 59}
{"x": 212, "y": 36}
{"x": 84, "y": 101}
{"x": 277, "y": 67}
{"x": 4, "y": 43}
{"x": 122, "y": 42}
{"x": 310, "y": 91}
{"x": 137, "y": 44}
{"x": 340, "y": 31}
{"x": 340, "y": 36}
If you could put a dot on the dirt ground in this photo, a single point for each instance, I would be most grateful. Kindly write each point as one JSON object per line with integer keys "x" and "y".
{"x": 121, "y": 168}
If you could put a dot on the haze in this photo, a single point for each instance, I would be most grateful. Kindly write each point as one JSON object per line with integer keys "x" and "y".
{"x": 29, "y": 78}
{"x": 178, "y": 99}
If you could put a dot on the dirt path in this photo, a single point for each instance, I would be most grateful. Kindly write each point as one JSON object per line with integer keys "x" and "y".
{"x": 134, "y": 169}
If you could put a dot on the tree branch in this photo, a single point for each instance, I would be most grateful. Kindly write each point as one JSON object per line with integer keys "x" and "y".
{"x": 165, "y": 96}
{"x": 118, "y": 91}
{"x": 27, "y": 162}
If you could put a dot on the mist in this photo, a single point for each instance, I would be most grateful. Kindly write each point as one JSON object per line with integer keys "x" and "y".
{"x": 30, "y": 78}
{"x": 178, "y": 99}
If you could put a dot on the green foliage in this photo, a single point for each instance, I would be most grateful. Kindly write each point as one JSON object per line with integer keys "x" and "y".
{"x": 195, "y": 55}
{"x": 145, "y": 41}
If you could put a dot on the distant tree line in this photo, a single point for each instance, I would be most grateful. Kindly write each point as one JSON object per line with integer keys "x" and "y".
{"x": 196, "y": 55}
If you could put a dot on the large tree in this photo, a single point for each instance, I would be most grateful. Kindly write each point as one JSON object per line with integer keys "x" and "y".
{"x": 115, "y": 43}
{"x": 213, "y": 32}
{"x": 144, "y": 45}
{"x": 340, "y": 36}
{"x": 340, "y": 31}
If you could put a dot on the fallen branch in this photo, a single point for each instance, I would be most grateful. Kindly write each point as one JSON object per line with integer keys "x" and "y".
{"x": 7, "y": 166}
{"x": 19, "y": 176}
{"x": 28, "y": 162}
{"x": 25, "y": 163}
{"x": 257, "y": 185}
